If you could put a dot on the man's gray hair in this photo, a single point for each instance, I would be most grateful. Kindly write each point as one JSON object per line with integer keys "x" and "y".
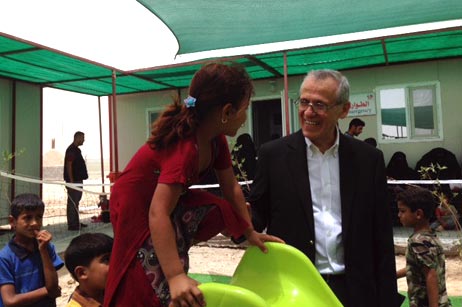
{"x": 343, "y": 90}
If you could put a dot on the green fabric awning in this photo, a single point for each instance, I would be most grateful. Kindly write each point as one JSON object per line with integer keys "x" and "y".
{"x": 423, "y": 117}
{"x": 394, "y": 117}
{"x": 29, "y": 62}
{"x": 202, "y": 25}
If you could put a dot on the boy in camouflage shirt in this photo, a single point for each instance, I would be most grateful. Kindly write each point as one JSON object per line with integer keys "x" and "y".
{"x": 425, "y": 262}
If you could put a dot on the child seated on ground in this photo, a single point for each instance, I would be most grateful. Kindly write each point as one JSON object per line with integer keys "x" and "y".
{"x": 425, "y": 262}
{"x": 87, "y": 259}
{"x": 446, "y": 216}
{"x": 28, "y": 263}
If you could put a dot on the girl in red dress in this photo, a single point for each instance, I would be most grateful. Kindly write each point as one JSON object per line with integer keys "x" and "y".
{"x": 155, "y": 217}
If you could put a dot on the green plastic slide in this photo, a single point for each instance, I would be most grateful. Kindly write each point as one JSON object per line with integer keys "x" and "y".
{"x": 222, "y": 295}
{"x": 283, "y": 277}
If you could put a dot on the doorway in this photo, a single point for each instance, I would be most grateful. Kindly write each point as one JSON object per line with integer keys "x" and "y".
{"x": 266, "y": 121}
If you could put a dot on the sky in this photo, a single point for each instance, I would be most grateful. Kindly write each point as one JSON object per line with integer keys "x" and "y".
{"x": 64, "y": 113}
{"x": 119, "y": 33}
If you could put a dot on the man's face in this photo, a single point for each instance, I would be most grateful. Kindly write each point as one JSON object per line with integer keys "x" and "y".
{"x": 320, "y": 128}
{"x": 357, "y": 130}
{"x": 80, "y": 140}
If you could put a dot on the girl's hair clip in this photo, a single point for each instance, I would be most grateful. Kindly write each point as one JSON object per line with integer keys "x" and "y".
{"x": 190, "y": 102}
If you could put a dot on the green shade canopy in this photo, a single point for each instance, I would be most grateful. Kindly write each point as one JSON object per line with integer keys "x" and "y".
{"x": 202, "y": 25}
{"x": 397, "y": 117}
{"x": 394, "y": 117}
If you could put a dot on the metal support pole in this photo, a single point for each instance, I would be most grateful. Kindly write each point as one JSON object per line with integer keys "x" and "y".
{"x": 101, "y": 143}
{"x": 286, "y": 94}
{"x": 114, "y": 111}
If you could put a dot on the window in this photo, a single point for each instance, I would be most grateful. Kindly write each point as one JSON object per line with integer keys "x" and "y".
{"x": 151, "y": 116}
{"x": 409, "y": 112}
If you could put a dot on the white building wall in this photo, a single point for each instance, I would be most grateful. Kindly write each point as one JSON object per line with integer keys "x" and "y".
{"x": 132, "y": 109}
{"x": 5, "y": 145}
{"x": 28, "y": 130}
{"x": 132, "y": 120}
{"x": 447, "y": 72}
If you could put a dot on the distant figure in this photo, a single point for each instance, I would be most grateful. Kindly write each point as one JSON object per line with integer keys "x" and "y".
{"x": 245, "y": 154}
{"x": 443, "y": 157}
{"x": 28, "y": 263}
{"x": 398, "y": 168}
{"x": 355, "y": 127}
{"x": 87, "y": 259}
{"x": 425, "y": 261}
{"x": 75, "y": 171}
{"x": 446, "y": 214}
{"x": 371, "y": 141}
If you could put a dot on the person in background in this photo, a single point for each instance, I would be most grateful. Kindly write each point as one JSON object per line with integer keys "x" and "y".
{"x": 28, "y": 263}
{"x": 355, "y": 128}
{"x": 371, "y": 141}
{"x": 325, "y": 194}
{"x": 398, "y": 168}
{"x": 156, "y": 217}
{"x": 75, "y": 171}
{"x": 425, "y": 262}
{"x": 87, "y": 260}
{"x": 446, "y": 214}
{"x": 245, "y": 154}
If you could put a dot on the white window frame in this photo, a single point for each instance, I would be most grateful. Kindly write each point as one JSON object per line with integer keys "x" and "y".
{"x": 438, "y": 119}
{"x": 294, "y": 123}
{"x": 149, "y": 113}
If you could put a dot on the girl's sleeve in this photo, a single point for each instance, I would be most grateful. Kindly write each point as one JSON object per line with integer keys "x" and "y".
{"x": 223, "y": 156}
{"x": 179, "y": 164}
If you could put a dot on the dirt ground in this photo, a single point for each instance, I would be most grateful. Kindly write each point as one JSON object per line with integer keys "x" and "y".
{"x": 223, "y": 261}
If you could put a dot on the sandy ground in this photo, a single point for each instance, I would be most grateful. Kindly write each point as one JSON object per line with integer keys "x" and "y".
{"x": 223, "y": 261}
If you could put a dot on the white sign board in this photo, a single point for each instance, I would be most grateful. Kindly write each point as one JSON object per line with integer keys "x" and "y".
{"x": 362, "y": 104}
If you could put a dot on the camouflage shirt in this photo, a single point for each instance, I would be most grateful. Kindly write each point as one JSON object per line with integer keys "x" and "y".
{"x": 424, "y": 249}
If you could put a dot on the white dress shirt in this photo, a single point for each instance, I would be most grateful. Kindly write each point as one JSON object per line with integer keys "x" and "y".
{"x": 324, "y": 174}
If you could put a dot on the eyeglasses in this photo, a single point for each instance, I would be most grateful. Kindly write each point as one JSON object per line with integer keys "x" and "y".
{"x": 317, "y": 107}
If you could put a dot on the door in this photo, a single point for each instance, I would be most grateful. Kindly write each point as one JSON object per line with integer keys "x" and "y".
{"x": 266, "y": 121}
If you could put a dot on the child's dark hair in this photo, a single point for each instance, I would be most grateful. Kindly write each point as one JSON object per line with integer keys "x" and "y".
{"x": 25, "y": 202}
{"x": 416, "y": 197}
{"x": 84, "y": 248}
{"x": 214, "y": 85}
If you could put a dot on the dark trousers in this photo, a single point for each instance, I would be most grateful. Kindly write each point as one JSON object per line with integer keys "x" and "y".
{"x": 72, "y": 210}
{"x": 337, "y": 283}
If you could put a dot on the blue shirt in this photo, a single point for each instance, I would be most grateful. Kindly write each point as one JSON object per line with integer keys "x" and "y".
{"x": 24, "y": 269}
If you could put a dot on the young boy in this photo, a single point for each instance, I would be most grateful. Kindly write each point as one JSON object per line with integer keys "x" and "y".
{"x": 87, "y": 259}
{"x": 28, "y": 263}
{"x": 425, "y": 262}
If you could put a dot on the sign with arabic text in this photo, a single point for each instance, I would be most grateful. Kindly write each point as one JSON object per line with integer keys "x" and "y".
{"x": 362, "y": 104}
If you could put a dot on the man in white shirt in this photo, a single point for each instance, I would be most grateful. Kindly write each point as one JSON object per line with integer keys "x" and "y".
{"x": 325, "y": 194}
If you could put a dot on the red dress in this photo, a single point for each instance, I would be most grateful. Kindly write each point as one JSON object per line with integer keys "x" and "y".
{"x": 127, "y": 284}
